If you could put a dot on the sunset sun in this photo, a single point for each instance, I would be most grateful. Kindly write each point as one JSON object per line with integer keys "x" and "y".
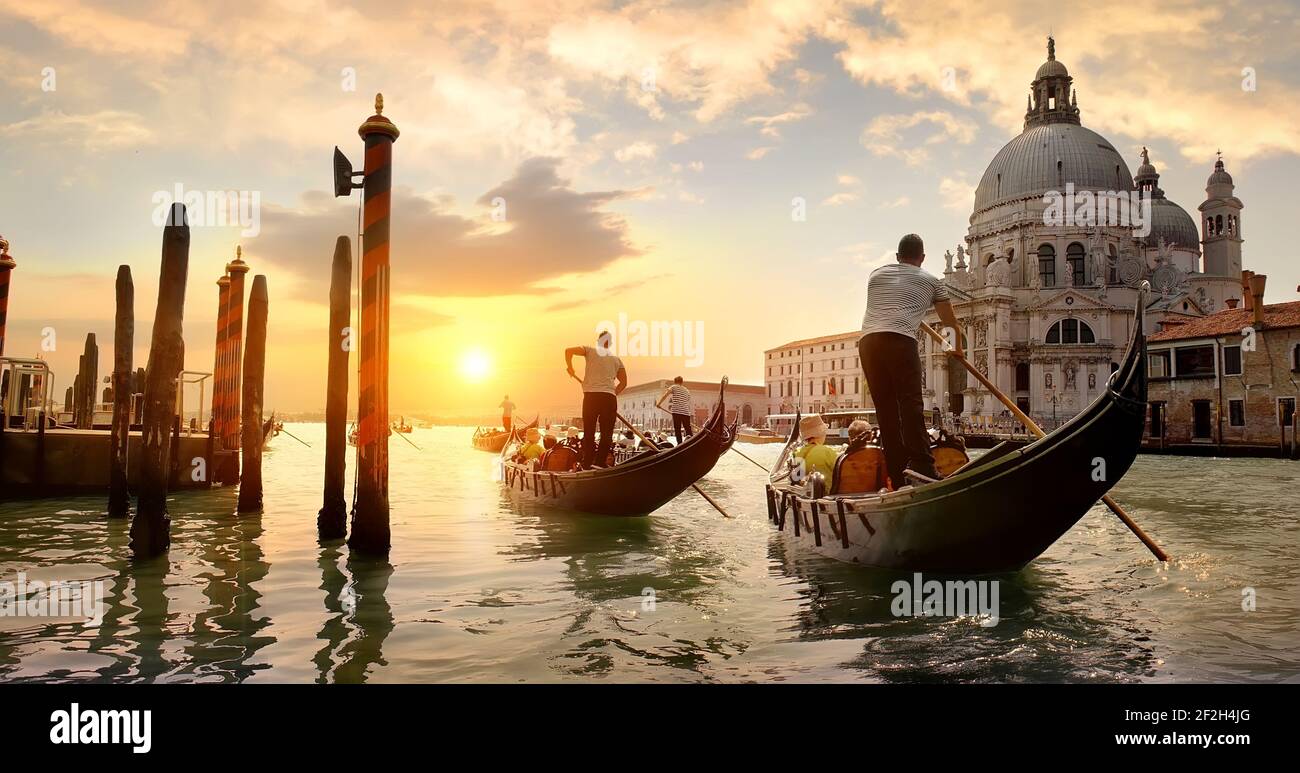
{"x": 475, "y": 365}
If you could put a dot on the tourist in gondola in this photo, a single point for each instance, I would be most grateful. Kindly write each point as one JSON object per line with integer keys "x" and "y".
{"x": 898, "y": 297}
{"x": 603, "y": 379}
{"x": 532, "y": 449}
{"x": 816, "y": 455}
{"x": 679, "y": 405}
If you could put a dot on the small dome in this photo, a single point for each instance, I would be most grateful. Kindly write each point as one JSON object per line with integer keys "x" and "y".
{"x": 1220, "y": 176}
{"x": 1172, "y": 223}
{"x": 1051, "y": 69}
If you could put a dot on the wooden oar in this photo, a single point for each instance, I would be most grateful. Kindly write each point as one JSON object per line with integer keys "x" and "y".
{"x": 650, "y": 443}
{"x": 295, "y": 437}
{"x": 403, "y": 436}
{"x": 733, "y": 447}
{"x": 1038, "y": 432}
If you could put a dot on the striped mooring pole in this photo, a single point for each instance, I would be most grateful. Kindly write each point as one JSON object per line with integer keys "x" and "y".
{"x": 370, "y": 527}
{"x": 7, "y": 265}
{"x": 232, "y": 420}
{"x": 219, "y": 366}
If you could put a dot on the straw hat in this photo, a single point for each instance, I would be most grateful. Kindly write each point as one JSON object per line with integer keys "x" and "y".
{"x": 812, "y": 427}
{"x": 534, "y": 435}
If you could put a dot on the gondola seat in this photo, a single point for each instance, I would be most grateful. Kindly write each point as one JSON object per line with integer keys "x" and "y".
{"x": 860, "y": 470}
{"x": 562, "y": 458}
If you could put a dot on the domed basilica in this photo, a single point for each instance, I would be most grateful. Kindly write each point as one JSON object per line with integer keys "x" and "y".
{"x": 1047, "y": 308}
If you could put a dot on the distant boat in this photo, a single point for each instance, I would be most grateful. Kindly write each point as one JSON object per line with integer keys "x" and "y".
{"x": 401, "y": 426}
{"x": 270, "y": 428}
{"x": 758, "y": 435}
{"x": 494, "y": 439}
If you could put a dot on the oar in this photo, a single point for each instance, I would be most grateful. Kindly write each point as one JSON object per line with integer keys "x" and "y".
{"x": 650, "y": 443}
{"x": 295, "y": 437}
{"x": 733, "y": 447}
{"x": 403, "y": 436}
{"x": 1037, "y": 431}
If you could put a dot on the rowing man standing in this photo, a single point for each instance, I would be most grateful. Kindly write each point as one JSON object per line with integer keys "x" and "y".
{"x": 603, "y": 380}
{"x": 898, "y": 296}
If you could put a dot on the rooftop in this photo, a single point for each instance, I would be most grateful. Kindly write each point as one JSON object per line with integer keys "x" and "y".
{"x": 1230, "y": 322}
{"x": 855, "y": 334}
{"x": 701, "y": 386}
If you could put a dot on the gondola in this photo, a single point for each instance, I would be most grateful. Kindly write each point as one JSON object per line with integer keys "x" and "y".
{"x": 494, "y": 439}
{"x": 997, "y": 513}
{"x": 270, "y": 428}
{"x": 636, "y": 487}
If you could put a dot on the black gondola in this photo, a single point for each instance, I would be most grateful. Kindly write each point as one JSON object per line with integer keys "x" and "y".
{"x": 636, "y": 487}
{"x": 997, "y": 513}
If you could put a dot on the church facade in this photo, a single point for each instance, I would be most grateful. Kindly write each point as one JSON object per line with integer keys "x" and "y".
{"x": 1045, "y": 298}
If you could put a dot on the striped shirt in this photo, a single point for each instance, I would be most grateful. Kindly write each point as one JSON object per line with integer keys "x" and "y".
{"x": 898, "y": 296}
{"x": 679, "y": 399}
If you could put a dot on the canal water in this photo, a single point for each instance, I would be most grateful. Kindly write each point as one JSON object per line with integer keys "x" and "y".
{"x": 479, "y": 588}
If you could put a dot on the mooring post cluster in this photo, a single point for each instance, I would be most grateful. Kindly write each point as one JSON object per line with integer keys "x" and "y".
{"x": 370, "y": 526}
{"x": 227, "y": 417}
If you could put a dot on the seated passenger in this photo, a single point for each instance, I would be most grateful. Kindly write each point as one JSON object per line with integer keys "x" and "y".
{"x": 816, "y": 455}
{"x": 571, "y": 438}
{"x": 859, "y": 435}
{"x": 628, "y": 440}
{"x": 532, "y": 449}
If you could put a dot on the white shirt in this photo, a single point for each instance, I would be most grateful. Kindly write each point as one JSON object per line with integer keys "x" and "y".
{"x": 507, "y": 408}
{"x": 601, "y": 372}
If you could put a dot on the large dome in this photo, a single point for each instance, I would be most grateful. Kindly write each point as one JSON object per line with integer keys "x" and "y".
{"x": 1047, "y": 157}
{"x": 1172, "y": 222}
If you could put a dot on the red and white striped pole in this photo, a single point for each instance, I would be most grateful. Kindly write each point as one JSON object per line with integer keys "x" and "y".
{"x": 370, "y": 528}
{"x": 219, "y": 366}
{"x": 7, "y": 265}
{"x": 232, "y": 423}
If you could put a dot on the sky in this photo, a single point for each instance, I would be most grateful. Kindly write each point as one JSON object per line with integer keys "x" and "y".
{"x": 565, "y": 163}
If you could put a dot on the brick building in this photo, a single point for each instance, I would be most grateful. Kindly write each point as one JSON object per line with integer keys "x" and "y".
{"x": 1227, "y": 383}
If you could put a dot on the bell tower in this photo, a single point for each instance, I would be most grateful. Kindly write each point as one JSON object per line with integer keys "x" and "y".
{"x": 1051, "y": 96}
{"x": 1221, "y": 224}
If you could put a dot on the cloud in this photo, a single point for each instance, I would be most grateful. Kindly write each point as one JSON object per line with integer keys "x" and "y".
{"x": 639, "y": 149}
{"x": 884, "y": 135}
{"x": 94, "y": 132}
{"x": 957, "y": 193}
{"x": 758, "y": 153}
{"x": 771, "y": 123}
{"x": 843, "y": 197}
{"x": 550, "y": 229}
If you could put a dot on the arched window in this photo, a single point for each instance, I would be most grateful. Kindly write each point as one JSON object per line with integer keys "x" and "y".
{"x": 1047, "y": 265}
{"x": 1074, "y": 259}
{"x": 1218, "y": 224}
{"x": 1070, "y": 331}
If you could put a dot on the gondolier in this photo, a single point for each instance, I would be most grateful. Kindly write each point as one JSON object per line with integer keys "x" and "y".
{"x": 507, "y": 409}
{"x": 603, "y": 379}
{"x": 898, "y": 296}
{"x": 679, "y": 406}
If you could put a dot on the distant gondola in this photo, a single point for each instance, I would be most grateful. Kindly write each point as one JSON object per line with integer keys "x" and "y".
{"x": 997, "y": 513}
{"x": 494, "y": 439}
{"x": 635, "y": 487}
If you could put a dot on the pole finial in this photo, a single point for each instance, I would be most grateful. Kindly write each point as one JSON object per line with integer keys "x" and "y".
{"x": 1051, "y": 48}
{"x": 379, "y": 104}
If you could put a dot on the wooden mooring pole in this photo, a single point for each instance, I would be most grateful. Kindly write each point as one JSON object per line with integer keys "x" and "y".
{"x": 119, "y": 496}
{"x": 370, "y": 526}
{"x": 219, "y": 367}
{"x": 151, "y": 528}
{"x": 332, "y": 521}
{"x": 88, "y": 380}
{"x": 7, "y": 265}
{"x": 250, "y": 478}
{"x": 234, "y": 338}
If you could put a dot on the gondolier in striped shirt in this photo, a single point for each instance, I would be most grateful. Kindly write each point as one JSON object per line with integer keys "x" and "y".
{"x": 898, "y": 297}
{"x": 679, "y": 405}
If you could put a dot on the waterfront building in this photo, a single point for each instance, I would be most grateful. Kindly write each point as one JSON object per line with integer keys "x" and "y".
{"x": 745, "y": 403}
{"x": 814, "y": 374}
{"x": 1227, "y": 383}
